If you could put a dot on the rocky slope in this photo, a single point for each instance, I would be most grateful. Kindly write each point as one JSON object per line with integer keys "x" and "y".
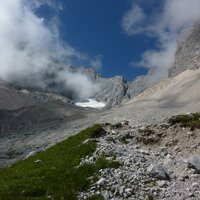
{"x": 22, "y": 109}
{"x": 157, "y": 162}
{"x": 12, "y": 98}
{"x": 172, "y": 96}
{"x": 176, "y": 95}
{"x": 188, "y": 52}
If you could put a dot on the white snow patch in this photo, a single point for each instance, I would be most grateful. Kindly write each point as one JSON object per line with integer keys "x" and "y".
{"x": 91, "y": 103}
{"x": 24, "y": 91}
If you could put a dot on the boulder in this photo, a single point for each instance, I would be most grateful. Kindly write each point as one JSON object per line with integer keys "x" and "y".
{"x": 194, "y": 162}
{"x": 157, "y": 171}
{"x": 101, "y": 181}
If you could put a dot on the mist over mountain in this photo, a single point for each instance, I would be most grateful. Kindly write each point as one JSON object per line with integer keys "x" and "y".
{"x": 32, "y": 62}
{"x": 29, "y": 47}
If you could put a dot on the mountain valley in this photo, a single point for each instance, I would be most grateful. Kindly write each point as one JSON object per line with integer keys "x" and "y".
{"x": 146, "y": 144}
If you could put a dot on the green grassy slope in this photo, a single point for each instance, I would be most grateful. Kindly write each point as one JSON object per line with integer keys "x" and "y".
{"x": 53, "y": 174}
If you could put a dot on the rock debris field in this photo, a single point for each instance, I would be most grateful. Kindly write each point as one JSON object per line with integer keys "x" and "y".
{"x": 156, "y": 162}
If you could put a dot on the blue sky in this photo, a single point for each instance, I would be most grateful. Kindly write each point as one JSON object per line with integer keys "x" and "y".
{"x": 94, "y": 27}
{"x": 129, "y": 37}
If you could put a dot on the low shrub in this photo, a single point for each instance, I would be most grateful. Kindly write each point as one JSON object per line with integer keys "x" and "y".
{"x": 191, "y": 120}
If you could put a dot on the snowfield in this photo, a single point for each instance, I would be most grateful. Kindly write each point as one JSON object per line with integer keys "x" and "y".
{"x": 91, "y": 103}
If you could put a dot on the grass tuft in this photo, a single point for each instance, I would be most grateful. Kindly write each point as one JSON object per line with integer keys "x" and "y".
{"x": 147, "y": 136}
{"x": 150, "y": 197}
{"x": 95, "y": 197}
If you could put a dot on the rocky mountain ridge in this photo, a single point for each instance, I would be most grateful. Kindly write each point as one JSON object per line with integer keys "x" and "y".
{"x": 113, "y": 91}
{"x": 188, "y": 52}
{"x": 116, "y": 90}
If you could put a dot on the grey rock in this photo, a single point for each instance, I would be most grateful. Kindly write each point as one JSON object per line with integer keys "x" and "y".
{"x": 191, "y": 194}
{"x": 161, "y": 183}
{"x": 101, "y": 181}
{"x": 145, "y": 152}
{"x": 32, "y": 153}
{"x": 194, "y": 162}
{"x": 106, "y": 195}
{"x": 37, "y": 161}
{"x": 195, "y": 184}
{"x": 128, "y": 190}
{"x": 157, "y": 171}
{"x": 86, "y": 141}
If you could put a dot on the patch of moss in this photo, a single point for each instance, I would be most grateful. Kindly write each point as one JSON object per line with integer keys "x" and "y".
{"x": 123, "y": 140}
{"x": 95, "y": 197}
{"x": 116, "y": 126}
{"x": 146, "y": 131}
{"x": 148, "y": 140}
{"x": 150, "y": 197}
{"x": 147, "y": 136}
{"x": 99, "y": 132}
{"x": 107, "y": 124}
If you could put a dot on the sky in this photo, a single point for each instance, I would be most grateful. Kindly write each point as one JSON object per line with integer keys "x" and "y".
{"x": 94, "y": 27}
{"x": 115, "y": 37}
{"x": 126, "y": 37}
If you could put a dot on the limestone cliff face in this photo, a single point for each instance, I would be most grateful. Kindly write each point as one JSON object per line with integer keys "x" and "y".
{"x": 187, "y": 53}
{"x": 136, "y": 86}
{"x": 114, "y": 90}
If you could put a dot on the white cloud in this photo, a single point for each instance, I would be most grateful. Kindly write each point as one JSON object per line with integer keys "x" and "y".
{"x": 167, "y": 25}
{"x": 51, "y": 3}
{"x": 29, "y": 48}
{"x": 96, "y": 63}
{"x": 133, "y": 19}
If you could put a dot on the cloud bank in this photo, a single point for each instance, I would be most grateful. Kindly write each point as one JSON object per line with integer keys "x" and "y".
{"x": 168, "y": 23}
{"x": 31, "y": 48}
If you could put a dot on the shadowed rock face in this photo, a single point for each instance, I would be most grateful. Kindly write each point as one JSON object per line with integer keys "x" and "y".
{"x": 187, "y": 53}
{"x": 22, "y": 109}
{"x": 39, "y": 116}
{"x": 13, "y": 99}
